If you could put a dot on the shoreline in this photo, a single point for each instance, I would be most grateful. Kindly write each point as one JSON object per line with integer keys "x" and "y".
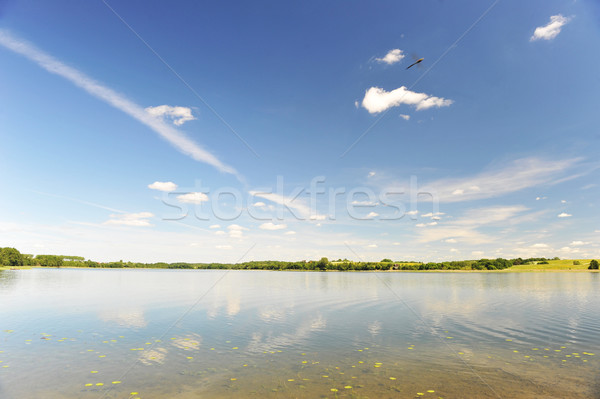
{"x": 513, "y": 269}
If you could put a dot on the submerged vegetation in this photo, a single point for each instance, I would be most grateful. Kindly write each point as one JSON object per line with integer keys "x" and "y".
{"x": 12, "y": 257}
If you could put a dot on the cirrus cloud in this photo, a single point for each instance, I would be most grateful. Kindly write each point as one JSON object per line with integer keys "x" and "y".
{"x": 139, "y": 219}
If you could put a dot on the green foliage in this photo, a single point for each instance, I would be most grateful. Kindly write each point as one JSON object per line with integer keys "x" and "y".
{"x": 544, "y": 262}
{"x": 386, "y": 260}
{"x": 10, "y": 257}
{"x": 593, "y": 265}
{"x": 49, "y": 260}
{"x": 322, "y": 264}
{"x": 576, "y": 262}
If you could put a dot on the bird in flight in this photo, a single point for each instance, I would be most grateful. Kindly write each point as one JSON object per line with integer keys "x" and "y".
{"x": 416, "y": 62}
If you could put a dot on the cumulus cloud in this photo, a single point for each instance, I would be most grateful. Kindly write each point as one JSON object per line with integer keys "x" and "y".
{"x": 551, "y": 29}
{"x": 289, "y": 233}
{"x": 539, "y": 245}
{"x": 259, "y": 204}
{"x": 272, "y": 226}
{"x": 372, "y": 246}
{"x": 405, "y": 117}
{"x": 176, "y": 138}
{"x": 392, "y": 57}
{"x": 193, "y": 198}
{"x": 377, "y": 100}
{"x": 371, "y": 215}
{"x": 179, "y": 115}
{"x": 163, "y": 186}
{"x": 130, "y": 219}
{"x": 236, "y": 231}
{"x": 214, "y": 226}
{"x": 564, "y": 215}
{"x": 371, "y": 174}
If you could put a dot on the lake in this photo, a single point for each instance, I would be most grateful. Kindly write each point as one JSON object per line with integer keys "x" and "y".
{"x": 69, "y": 333}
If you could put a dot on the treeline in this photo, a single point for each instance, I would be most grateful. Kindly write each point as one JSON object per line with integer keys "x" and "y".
{"x": 12, "y": 257}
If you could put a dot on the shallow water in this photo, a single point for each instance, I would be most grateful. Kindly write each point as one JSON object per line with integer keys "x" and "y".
{"x": 221, "y": 334}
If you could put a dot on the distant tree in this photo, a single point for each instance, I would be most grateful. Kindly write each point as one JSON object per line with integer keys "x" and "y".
{"x": 593, "y": 265}
{"x": 386, "y": 260}
{"x": 10, "y": 257}
{"x": 322, "y": 264}
{"x": 49, "y": 260}
{"x": 576, "y": 262}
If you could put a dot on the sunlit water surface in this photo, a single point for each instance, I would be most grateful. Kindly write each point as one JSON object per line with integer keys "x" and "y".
{"x": 236, "y": 334}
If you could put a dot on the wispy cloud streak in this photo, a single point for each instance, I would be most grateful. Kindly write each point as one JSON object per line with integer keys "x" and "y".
{"x": 176, "y": 138}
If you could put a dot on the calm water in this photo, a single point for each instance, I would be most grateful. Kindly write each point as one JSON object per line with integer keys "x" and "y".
{"x": 233, "y": 334}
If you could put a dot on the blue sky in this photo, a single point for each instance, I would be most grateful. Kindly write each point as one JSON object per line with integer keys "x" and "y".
{"x": 152, "y": 131}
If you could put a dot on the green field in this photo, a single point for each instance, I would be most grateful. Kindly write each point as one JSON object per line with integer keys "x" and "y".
{"x": 553, "y": 265}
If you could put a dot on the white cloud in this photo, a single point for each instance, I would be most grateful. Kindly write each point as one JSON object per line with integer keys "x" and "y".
{"x": 220, "y": 233}
{"x": 193, "y": 198}
{"x": 236, "y": 231}
{"x": 563, "y": 201}
{"x": 466, "y": 227}
{"x": 372, "y": 246}
{"x": 578, "y": 243}
{"x": 163, "y": 186}
{"x": 551, "y": 29}
{"x": 412, "y": 212}
{"x": 179, "y": 115}
{"x": 131, "y": 219}
{"x": 451, "y": 240}
{"x": 371, "y": 174}
{"x": 363, "y": 203}
{"x": 432, "y": 215}
{"x": 223, "y": 246}
{"x": 259, "y": 204}
{"x": 539, "y": 245}
{"x": 272, "y": 226}
{"x": 289, "y": 233}
{"x": 517, "y": 175}
{"x": 392, "y": 57}
{"x": 176, "y": 138}
{"x": 426, "y": 224}
{"x": 214, "y": 226}
{"x": 292, "y": 204}
{"x": 377, "y": 100}
{"x": 564, "y": 215}
{"x": 404, "y": 116}
{"x": 371, "y": 215}
{"x": 454, "y": 250}
{"x": 477, "y": 253}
